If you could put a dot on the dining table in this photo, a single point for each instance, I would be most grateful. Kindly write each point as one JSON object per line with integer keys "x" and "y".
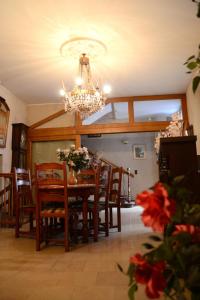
{"x": 83, "y": 191}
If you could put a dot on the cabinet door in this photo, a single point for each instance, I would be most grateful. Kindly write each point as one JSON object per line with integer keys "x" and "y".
{"x": 19, "y": 145}
{"x": 19, "y": 136}
{"x": 19, "y": 159}
{"x": 178, "y": 156}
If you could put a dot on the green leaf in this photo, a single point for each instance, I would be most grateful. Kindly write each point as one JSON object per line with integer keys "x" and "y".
{"x": 195, "y": 296}
{"x": 148, "y": 246}
{"x": 131, "y": 291}
{"x": 120, "y": 268}
{"x": 195, "y": 83}
{"x": 178, "y": 179}
{"x": 192, "y": 56}
{"x": 194, "y": 277}
{"x": 155, "y": 238}
{"x": 192, "y": 65}
{"x": 131, "y": 270}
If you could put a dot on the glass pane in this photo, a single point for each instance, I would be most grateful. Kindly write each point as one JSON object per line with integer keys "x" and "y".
{"x": 46, "y": 151}
{"x": 111, "y": 113}
{"x": 156, "y": 110}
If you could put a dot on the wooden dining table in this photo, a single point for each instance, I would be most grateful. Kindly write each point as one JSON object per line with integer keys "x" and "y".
{"x": 84, "y": 191}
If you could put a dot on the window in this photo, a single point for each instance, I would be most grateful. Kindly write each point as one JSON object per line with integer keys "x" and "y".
{"x": 156, "y": 110}
{"x": 116, "y": 112}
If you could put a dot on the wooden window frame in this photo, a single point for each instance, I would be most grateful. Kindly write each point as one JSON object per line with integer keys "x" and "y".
{"x": 75, "y": 132}
{"x": 131, "y": 125}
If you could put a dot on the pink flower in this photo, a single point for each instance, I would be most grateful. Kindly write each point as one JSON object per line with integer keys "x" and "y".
{"x": 158, "y": 208}
{"x": 149, "y": 274}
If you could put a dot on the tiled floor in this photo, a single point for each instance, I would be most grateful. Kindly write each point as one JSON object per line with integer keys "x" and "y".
{"x": 88, "y": 271}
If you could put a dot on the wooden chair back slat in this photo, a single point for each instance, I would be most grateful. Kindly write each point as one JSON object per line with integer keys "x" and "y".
{"x": 24, "y": 202}
{"x": 51, "y": 201}
{"x": 115, "y": 196}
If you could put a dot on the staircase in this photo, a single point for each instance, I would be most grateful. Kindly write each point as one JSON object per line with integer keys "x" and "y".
{"x": 126, "y": 199}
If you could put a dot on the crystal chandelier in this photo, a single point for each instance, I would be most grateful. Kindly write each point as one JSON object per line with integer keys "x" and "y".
{"x": 86, "y": 98}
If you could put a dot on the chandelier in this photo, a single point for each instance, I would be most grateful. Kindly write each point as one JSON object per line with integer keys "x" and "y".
{"x": 85, "y": 97}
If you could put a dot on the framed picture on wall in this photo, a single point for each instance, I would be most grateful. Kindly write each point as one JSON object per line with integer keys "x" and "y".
{"x": 139, "y": 151}
{"x": 4, "y": 118}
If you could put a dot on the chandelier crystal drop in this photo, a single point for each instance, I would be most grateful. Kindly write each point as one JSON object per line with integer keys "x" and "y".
{"x": 86, "y": 98}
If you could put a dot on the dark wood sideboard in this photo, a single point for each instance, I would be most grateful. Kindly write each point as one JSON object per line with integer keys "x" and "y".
{"x": 178, "y": 156}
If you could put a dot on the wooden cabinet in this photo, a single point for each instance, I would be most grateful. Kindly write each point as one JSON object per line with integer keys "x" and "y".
{"x": 19, "y": 145}
{"x": 178, "y": 156}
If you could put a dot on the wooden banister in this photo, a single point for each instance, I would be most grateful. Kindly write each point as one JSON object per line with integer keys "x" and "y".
{"x": 7, "y": 198}
{"x": 112, "y": 164}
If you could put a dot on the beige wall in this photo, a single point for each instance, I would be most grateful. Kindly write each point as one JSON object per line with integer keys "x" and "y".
{"x": 18, "y": 114}
{"x": 37, "y": 112}
{"x": 193, "y": 103}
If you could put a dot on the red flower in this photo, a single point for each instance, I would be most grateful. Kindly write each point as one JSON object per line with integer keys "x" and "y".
{"x": 191, "y": 229}
{"x": 149, "y": 274}
{"x": 158, "y": 208}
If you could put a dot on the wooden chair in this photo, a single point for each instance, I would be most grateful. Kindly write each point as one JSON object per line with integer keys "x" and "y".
{"x": 52, "y": 213}
{"x": 104, "y": 193}
{"x": 24, "y": 204}
{"x": 90, "y": 176}
{"x": 115, "y": 194}
{"x": 99, "y": 201}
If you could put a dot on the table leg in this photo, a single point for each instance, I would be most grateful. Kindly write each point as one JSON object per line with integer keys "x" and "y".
{"x": 85, "y": 219}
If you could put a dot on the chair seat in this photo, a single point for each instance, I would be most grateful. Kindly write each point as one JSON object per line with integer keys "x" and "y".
{"x": 32, "y": 206}
{"x": 55, "y": 212}
{"x": 113, "y": 203}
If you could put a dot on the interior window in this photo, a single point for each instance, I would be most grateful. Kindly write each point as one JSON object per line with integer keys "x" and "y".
{"x": 46, "y": 151}
{"x": 112, "y": 113}
{"x": 156, "y": 110}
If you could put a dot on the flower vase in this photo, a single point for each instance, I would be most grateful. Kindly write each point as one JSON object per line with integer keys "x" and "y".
{"x": 72, "y": 178}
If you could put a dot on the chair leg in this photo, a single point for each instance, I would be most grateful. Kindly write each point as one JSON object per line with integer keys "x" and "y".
{"x": 17, "y": 222}
{"x": 46, "y": 230}
{"x": 31, "y": 221}
{"x": 38, "y": 233}
{"x": 119, "y": 218}
{"x": 106, "y": 222}
{"x": 66, "y": 239}
{"x": 111, "y": 218}
{"x": 95, "y": 225}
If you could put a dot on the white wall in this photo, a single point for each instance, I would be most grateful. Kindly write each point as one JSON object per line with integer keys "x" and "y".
{"x": 113, "y": 149}
{"x": 17, "y": 115}
{"x": 193, "y": 104}
{"x": 38, "y": 112}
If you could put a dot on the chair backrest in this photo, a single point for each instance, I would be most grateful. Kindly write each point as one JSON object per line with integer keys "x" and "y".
{"x": 105, "y": 180}
{"x": 51, "y": 182}
{"x": 90, "y": 176}
{"x": 23, "y": 185}
{"x": 115, "y": 184}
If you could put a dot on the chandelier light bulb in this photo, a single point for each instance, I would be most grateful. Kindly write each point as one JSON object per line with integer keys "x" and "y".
{"x": 107, "y": 89}
{"x": 62, "y": 92}
{"x": 79, "y": 81}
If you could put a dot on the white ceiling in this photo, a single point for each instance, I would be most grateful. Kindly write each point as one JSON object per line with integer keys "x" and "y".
{"x": 147, "y": 43}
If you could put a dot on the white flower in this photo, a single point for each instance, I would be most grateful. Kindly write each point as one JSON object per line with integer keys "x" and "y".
{"x": 71, "y": 163}
{"x": 66, "y": 152}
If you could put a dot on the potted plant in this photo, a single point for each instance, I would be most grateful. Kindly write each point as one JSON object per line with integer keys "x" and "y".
{"x": 171, "y": 264}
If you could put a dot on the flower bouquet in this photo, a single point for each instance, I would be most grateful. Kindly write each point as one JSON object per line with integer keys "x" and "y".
{"x": 171, "y": 264}
{"x": 76, "y": 158}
